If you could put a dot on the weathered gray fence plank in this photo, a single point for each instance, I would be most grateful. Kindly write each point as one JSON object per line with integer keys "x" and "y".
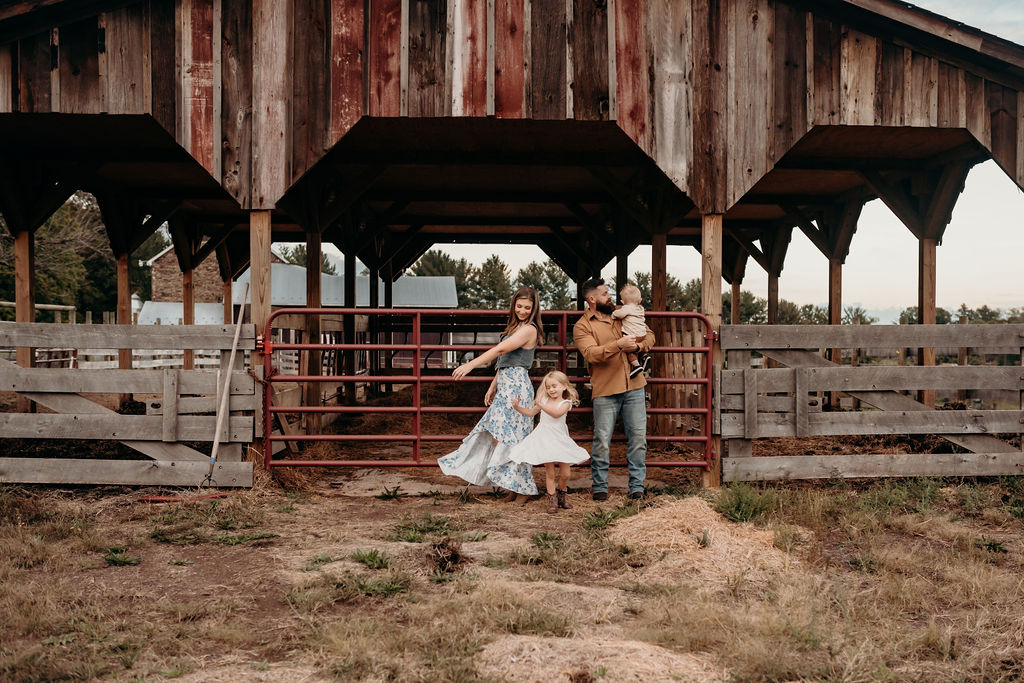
{"x": 878, "y": 378}
{"x": 126, "y": 336}
{"x": 170, "y": 416}
{"x": 117, "y": 427}
{"x": 73, "y": 403}
{"x": 127, "y": 472}
{"x": 768, "y": 404}
{"x": 750, "y": 402}
{"x": 937, "y": 422}
{"x": 191, "y": 405}
{"x": 890, "y": 400}
{"x": 872, "y": 465}
{"x": 757, "y": 337}
{"x": 65, "y": 380}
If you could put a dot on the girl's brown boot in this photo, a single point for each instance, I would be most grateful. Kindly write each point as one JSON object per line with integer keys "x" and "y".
{"x": 563, "y": 501}
{"x": 552, "y": 503}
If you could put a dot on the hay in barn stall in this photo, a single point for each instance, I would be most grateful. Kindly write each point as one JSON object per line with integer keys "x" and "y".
{"x": 674, "y": 531}
{"x": 546, "y": 659}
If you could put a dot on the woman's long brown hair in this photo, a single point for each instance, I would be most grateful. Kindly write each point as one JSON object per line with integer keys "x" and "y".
{"x": 534, "y": 319}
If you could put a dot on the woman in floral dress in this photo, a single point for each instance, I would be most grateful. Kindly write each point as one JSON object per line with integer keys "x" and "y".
{"x": 483, "y": 456}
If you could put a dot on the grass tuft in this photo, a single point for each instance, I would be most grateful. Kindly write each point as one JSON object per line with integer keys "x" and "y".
{"x": 391, "y": 494}
{"x": 119, "y": 557}
{"x": 745, "y": 503}
{"x": 374, "y": 559}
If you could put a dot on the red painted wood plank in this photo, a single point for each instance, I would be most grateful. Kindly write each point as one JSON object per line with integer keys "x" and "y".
{"x": 509, "y": 60}
{"x": 200, "y": 91}
{"x": 632, "y": 59}
{"x": 474, "y": 57}
{"x": 161, "y": 64}
{"x": 310, "y": 84}
{"x": 347, "y": 24}
{"x": 385, "y": 57}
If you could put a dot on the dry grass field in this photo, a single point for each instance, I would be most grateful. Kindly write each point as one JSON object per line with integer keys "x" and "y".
{"x": 392, "y": 576}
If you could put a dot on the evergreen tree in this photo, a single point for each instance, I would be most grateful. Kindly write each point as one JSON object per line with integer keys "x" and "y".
{"x": 297, "y": 256}
{"x": 753, "y": 310}
{"x": 437, "y": 263}
{"x": 677, "y": 296}
{"x": 532, "y": 275}
{"x": 813, "y": 315}
{"x": 855, "y": 315}
{"x": 788, "y": 314}
{"x": 908, "y": 316}
{"x": 490, "y": 285}
{"x": 558, "y": 295}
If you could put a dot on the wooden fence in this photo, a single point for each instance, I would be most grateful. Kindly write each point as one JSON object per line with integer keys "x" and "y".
{"x": 786, "y": 400}
{"x": 181, "y": 406}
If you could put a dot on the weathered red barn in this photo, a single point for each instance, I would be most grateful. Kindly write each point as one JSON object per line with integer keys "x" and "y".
{"x": 586, "y": 127}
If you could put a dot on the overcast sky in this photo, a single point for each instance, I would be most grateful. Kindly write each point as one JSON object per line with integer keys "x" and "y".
{"x": 979, "y": 260}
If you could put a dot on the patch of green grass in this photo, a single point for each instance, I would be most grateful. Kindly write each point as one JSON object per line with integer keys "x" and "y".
{"x": 598, "y": 519}
{"x": 901, "y": 495}
{"x": 374, "y": 559}
{"x": 744, "y": 503}
{"x": 239, "y": 539}
{"x": 547, "y": 539}
{"x": 475, "y": 536}
{"x": 990, "y": 545}
{"x": 314, "y": 563}
{"x": 329, "y": 589}
{"x": 119, "y": 557}
{"x": 465, "y": 497}
{"x": 182, "y": 563}
{"x": 391, "y": 494}
{"x": 417, "y": 530}
{"x": 492, "y": 562}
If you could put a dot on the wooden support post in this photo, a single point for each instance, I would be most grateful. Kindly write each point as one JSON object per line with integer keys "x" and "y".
{"x": 773, "y": 299}
{"x": 229, "y": 317}
{"x": 659, "y": 302}
{"x": 963, "y": 360}
{"x": 735, "y": 304}
{"x": 349, "y": 332}
{"x": 389, "y": 337}
{"x": 926, "y": 306}
{"x": 582, "y": 275}
{"x": 711, "y": 305}
{"x": 373, "y": 329}
{"x": 312, "y": 365}
{"x": 835, "y": 316}
{"x": 621, "y": 268}
{"x": 659, "y": 275}
{"x": 124, "y": 311}
{"x": 188, "y": 312}
{"x": 25, "y": 300}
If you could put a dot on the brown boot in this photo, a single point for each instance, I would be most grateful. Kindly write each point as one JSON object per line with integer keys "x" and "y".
{"x": 552, "y": 503}
{"x": 563, "y": 501}
{"x": 509, "y": 497}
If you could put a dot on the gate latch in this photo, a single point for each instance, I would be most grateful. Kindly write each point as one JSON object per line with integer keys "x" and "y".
{"x": 264, "y": 347}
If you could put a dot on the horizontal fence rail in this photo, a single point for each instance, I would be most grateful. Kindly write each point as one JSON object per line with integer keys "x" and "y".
{"x": 415, "y": 324}
{"x": 786, "y": 401}
{"x": 180, "y": 406}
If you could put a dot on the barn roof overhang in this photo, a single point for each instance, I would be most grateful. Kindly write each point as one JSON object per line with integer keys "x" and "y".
{"x": 392, "y": 188}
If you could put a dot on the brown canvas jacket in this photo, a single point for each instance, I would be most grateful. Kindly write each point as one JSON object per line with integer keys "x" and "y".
{"x": 598, "y": 340}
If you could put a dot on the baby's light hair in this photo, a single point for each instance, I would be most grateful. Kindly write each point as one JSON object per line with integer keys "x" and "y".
{"x": 568, "y": 390}
{"x": 631, "y": 291}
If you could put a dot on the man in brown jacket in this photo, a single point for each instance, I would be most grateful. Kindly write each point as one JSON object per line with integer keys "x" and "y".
{"x": 598, "y": 336}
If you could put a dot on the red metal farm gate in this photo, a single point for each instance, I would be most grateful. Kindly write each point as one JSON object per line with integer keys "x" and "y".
{"x": 413, "y": 325}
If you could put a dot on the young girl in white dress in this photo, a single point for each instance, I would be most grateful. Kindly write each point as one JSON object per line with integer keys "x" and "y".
{"x": 549, "y": 443}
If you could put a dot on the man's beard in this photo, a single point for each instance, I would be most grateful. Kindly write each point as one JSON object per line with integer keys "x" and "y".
{"x": 607, "y": 309}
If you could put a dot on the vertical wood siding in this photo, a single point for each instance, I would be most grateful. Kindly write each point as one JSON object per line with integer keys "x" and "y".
{"x": 510, "y": 59}
{"x": 715, "y": 91}
{"x": 310, "y": 94}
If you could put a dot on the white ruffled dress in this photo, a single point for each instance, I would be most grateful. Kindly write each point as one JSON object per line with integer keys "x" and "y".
{"x": 549, "y": 442}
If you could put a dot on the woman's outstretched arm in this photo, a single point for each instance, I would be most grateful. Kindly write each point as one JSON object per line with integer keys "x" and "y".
{"x": 524, "y": 336}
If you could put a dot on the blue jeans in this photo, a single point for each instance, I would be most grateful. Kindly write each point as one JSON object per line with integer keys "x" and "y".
{"x": 633, "y": 406}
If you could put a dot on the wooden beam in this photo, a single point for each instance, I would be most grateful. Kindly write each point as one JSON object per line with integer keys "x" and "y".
{"x": 749, "y": 247}
{"x": 69, "y": 471}
{"x": 312, "y": 365}
{"x": 773, "y": 468}
{"x": 659, "y": 273}
{"x": 343, "y": 196}
{"x": 24, "y": 299}
{"x": 835, "y": 315}
{"x": 735, "y": 303}
{"x": 711, "y": 306}
{"x": 898, "y": 201}
{"x": 947, "y": 190}
{"x": 926, "y": 313}
{"x": 259, "y": 259}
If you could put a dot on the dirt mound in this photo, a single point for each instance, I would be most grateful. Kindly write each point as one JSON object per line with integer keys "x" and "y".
{"x": 535, "y": 658}
{"x": 696, "y": 542}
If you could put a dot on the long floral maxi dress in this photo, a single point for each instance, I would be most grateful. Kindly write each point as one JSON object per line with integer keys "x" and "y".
{"x": 480, "y": 460}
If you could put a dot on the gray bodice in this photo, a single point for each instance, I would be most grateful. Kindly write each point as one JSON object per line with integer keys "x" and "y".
{"x": 520, "y": 357}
